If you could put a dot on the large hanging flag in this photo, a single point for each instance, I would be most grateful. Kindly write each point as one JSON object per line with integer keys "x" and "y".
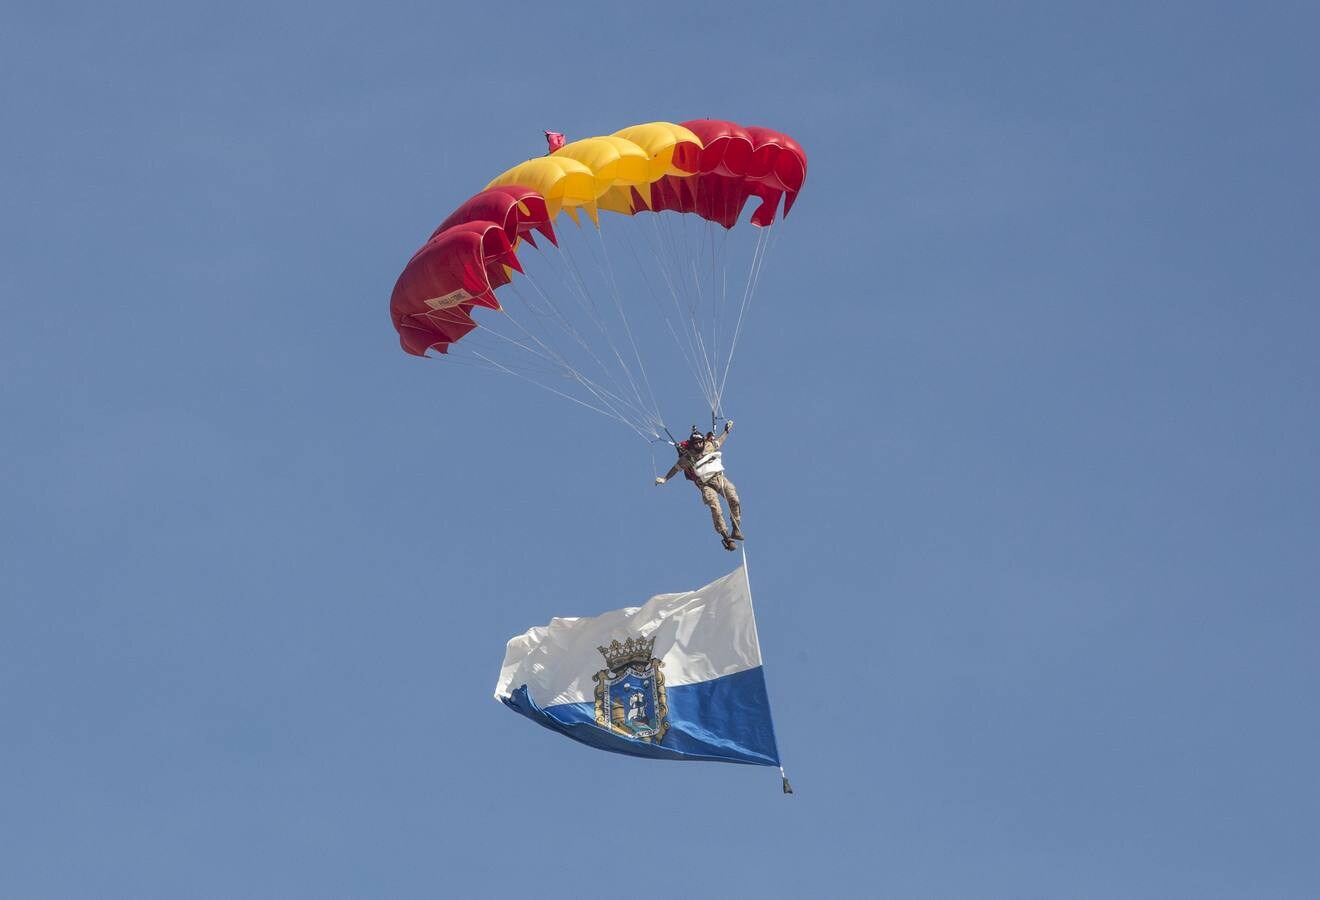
{"x": 678, "y": 677}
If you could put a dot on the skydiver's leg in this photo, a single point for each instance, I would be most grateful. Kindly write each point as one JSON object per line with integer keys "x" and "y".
{"x": 735, "y": 507}
{"x": 712, "y": 499}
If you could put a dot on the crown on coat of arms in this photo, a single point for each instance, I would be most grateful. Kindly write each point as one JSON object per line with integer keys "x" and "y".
{"x": 630, "y": 651}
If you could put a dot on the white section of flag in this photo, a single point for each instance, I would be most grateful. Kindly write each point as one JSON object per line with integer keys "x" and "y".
{"x": 700, "y": 635}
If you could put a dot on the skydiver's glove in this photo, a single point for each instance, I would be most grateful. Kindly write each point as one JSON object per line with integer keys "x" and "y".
{"x": 728, "y": 425}
{"x": 660, "y": 481}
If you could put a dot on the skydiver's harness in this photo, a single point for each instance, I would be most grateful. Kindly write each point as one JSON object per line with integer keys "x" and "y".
{"x": 707, "y": 467}
{"x": 704, "y": 468}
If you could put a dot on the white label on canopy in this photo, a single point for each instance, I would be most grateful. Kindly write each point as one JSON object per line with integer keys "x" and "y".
{"x": 453, "y": 298}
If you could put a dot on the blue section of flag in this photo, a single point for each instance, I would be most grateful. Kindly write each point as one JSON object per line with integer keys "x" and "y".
{"x": 722, "y": 720}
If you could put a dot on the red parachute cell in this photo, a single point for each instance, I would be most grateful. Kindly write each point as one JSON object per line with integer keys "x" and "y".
{"x": 456, "y": 270}
{"x": 734, "y": 165}
{"x": 519, "y": 210}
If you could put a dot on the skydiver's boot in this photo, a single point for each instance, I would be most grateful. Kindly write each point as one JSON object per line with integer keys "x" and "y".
{"x": 729, "y": 544}
{"x": 737, "y": 532}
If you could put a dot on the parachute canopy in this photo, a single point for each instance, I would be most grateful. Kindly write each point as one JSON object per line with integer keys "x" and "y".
{"x": 706, "y": 168}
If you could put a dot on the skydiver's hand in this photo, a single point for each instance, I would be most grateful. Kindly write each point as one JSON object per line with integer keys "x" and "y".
{"x": 660, "y": 480}
{"x": 728, "y": 425}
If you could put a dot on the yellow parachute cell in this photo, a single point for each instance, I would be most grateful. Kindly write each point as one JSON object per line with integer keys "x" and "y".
{"x": 606, "y": 172}
{"x": 564, "y": 183}
{"x": 658, "y": 140}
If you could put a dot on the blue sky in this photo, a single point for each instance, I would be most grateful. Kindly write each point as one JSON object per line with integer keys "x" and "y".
{"x": 1026, "y": 438}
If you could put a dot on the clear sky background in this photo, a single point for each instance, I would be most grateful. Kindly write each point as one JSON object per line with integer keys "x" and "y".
{"x": 1027, "y": 438}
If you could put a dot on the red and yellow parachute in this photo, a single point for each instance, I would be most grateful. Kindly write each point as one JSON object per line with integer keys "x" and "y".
{"x": 706, "y": 167}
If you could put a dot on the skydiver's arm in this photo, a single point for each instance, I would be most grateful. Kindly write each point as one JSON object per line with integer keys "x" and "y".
{"x": 719, "y": 441}
{"x": 668, "y": 475}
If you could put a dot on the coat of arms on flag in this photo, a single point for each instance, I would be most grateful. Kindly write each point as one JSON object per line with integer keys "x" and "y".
{"x": 682, "y": 677}
{"x": 630, "y": 691}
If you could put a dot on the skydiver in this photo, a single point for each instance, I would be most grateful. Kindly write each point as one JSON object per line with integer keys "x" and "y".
{"x": 699, "y": 458}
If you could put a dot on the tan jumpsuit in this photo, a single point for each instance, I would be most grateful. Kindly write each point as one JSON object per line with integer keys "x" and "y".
{"x": 714, "y": 487}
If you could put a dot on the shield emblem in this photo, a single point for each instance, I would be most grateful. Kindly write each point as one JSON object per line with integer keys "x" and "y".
{"x": 630, "y": 692}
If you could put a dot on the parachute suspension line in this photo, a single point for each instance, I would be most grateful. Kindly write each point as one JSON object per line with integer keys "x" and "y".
{"x": 577, "y": 289}
{"x": 559, "y": 318}
{"x": 636, "y": 417}
{"x": 567, "y": 326}
{"x": 655, "y": 471}
{"x": 698, "y": 331}
{"x": 590, "y": 302}
{"x": 557, "y": 341}
{"x": 753, "y": 279}
{"x": 659, "y": 306}
{"x": 668, "y": 253}
{"x": 550, "y": 355}
{"x": 587, "y": 301}
{"x": 678, "y": 286}
{"x": 501, "y": 368}
{"x": 696, "y": 307}
{"x": 719, "y": 272}
{"x": 662, "y": 264}
{"x": 618, "y": 406}
{"x": 749, "y": 289}
{"x": 698, "y": 303}
{"x": 547, "y": 310}
{"x": 618, "y": 304}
